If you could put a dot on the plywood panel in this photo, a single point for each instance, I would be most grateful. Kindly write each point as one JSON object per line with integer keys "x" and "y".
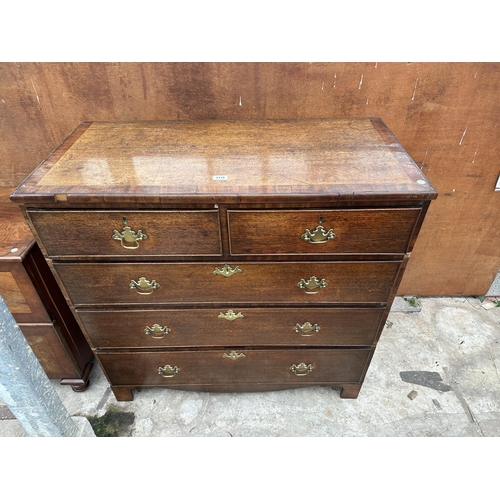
{"x": 445, "y": 115}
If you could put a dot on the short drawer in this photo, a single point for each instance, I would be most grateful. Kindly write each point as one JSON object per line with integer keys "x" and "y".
{"x": 236, "y": 283}
{"x": 128, "y": 233}
{"x": 233, "y": 366}
{"x": 158, "y": 328}
{"x": 326, "y": 232}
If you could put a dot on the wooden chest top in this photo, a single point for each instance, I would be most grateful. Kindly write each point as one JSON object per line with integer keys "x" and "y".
{"x": 226, "y": 161}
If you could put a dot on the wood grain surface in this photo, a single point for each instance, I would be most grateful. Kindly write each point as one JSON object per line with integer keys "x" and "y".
{"x": 48, "y": 348}
{"x": 168, "y": 233}
{"x": 252, "y": 327}
{"x": 342, "y": 159}
{"x": 444, "y": 114}
{"x": 16, "y": 239}
{"x": 20, "y": 294}
{"x": 257, "y": 366}
{"x": 267, "y": 232}
{"x": 258, "y": 283}
{"x": 12, "y": 294}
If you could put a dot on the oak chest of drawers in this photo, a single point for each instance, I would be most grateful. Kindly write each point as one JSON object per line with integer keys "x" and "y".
{"x": 229, "y": 256}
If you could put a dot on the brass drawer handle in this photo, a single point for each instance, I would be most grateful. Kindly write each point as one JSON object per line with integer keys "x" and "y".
{"x": 306, "y": 330}
{"x": 144, "y": 286}
{"x": 233, "y": 355}
{"x": 311, "y": 284}
{"x": 230, "y": 315}
{"x": 168, "y": 371}
{"x": 227, "y": 271}
{"x": 128, "y": 238}
{"x": 156, "y": 331}
{"x": 301, "y": 369}
{"x": 318, "y": 235}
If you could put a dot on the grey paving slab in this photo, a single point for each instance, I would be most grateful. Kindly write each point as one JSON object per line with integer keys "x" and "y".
{"x": 26, "y": 388}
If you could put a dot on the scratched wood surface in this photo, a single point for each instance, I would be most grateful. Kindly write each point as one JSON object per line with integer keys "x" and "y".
{"x": 145, "y": 160}
{"x": 16, "y": 238}
{"x": 444, "y": 114}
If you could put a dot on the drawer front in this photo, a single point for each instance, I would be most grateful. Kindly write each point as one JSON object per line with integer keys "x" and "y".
{"x": 223, "y": 327}
{"x": 227, "y": 366}
{"x": 287, "y": 282}
{"x": 103, "y": 232}
{"x": 328, "y": 232}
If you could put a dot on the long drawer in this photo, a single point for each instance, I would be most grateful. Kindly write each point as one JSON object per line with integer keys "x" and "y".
{"x": 238, "y": 283}
{"x": 157, "y": 328}
{"x": 229, "y": 367}
{"x": 150, "y": 232}
{"x": 328, "y": 232}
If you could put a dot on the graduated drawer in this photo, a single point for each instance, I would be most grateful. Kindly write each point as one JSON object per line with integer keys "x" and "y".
{"x": 223, "y": 326}
{"x": 230, "y": 367}
{"x": 169, "y": 283}
{"x": 291, "y": 232}
{"x": 151, "y": 232}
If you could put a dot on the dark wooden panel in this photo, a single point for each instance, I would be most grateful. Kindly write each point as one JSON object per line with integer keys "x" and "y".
{"x": 12, "y": 294}
{"x": 84, "y": 233}
{"x": 267, "y": 283}
{"x": 53, "y": 356}
{"x": 444, "y": 114}
{"x": 33, "y": 297}
{"x": 252, "y": 327}
{"x": 16, "y": 239}
{"x": 257, "y": 366}
{"x": 270, "y": 232}
{"x": 20, "y": 294}
{"x": 70, "y": 334}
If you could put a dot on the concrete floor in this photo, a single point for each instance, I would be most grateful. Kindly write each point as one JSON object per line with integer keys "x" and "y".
{"x": 450, "y": 345}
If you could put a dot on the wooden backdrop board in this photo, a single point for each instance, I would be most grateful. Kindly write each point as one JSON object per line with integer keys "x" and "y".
{"x": 445, "y": 115}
